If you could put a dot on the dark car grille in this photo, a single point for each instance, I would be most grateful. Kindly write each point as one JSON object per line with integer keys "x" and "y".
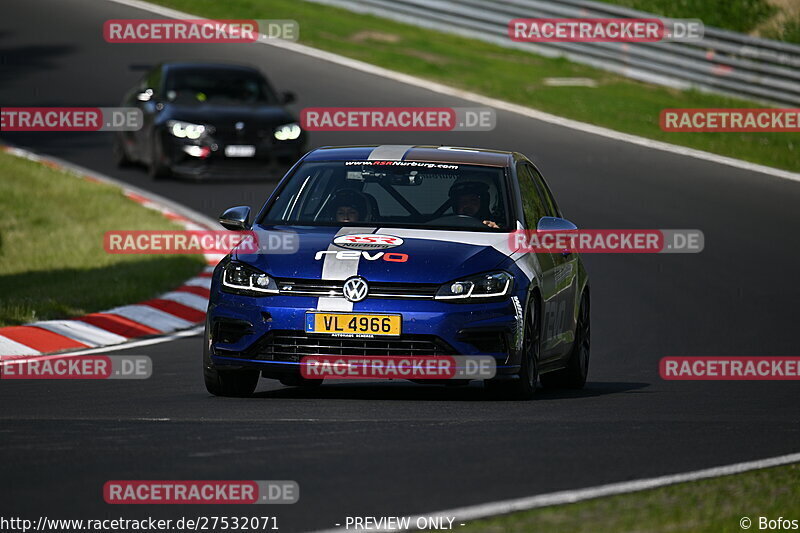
{"x": 311, "y": 287}
{"x": 253, "y": 133}
{"x": 290, "y": 345}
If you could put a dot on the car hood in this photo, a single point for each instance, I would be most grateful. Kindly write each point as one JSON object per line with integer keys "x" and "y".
{"x": 225, "y": 116}
{"x": 425, "y": 256}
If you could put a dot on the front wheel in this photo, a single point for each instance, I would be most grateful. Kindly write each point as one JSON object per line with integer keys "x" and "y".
{"x": 574, "y": 375}
{"x": 524, "y": 387}
{"x": 121, "y": 157}
{"x": 238, "y": 383}
{"x": 157, "y": 169}
{"x": 231, "y": 383}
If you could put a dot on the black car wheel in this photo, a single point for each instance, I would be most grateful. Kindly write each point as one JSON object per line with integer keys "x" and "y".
{"x": 157, "y": 169}
{"x": 232, "y": 383}
{"x": 524, "y": 387}
{"x": 121, "y": 157}
{"x": 573, "y": 376}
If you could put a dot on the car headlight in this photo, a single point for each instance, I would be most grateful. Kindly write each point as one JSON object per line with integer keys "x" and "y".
{"x": 489, "y": 285}
{"x": 185, "y": 130}
{"x": 288, "y": 132}
{"x": 239, "y": 278}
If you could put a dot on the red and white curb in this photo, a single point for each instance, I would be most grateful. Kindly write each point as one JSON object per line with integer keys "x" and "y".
{"x": 179, "y": 309}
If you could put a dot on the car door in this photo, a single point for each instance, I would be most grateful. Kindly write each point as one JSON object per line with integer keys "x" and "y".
{"x": 559, "y": 319}
{"x": 145, "y": 96}
{"x": 534, "y": 208}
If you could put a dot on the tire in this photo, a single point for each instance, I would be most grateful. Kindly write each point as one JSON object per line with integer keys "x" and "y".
{"x": 230, "y": 383}
{"x": 157, "y": 169}
{"x": 121, "y": 155}
{"x": 573, "y": 376}
{"x": 524, "y": 387}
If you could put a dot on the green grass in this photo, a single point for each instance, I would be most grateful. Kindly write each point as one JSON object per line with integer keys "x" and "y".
{"x": 745, "y": 16}
{"x": 709, "y": 506}
{"x": 52, "y": 261}
{"x": 512, "y": 75}
{"x": 787, "y": 30}
{"x": 736, "y": 15}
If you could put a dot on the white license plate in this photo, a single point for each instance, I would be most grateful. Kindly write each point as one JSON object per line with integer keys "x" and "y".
{"x": 240, "y": 150}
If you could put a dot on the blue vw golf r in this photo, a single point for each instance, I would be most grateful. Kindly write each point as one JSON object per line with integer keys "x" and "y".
{"x": 401, "y": 250}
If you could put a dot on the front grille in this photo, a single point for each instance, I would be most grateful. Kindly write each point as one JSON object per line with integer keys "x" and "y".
{"x": 315, "y": 287}
{"x": 231, "y": 136}
{"x": 291, "y": 345}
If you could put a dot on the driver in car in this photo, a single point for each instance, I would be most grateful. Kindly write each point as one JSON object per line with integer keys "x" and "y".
{"x": 349, "y": 206}
{"x": 471, "y": 198}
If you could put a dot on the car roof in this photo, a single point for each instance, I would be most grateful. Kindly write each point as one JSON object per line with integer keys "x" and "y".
{"x": 419, "y": 153}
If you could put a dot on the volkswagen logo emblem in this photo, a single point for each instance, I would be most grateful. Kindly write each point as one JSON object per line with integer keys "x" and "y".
{"x": 355, "y": 289}
{"x": 239, "y": 126}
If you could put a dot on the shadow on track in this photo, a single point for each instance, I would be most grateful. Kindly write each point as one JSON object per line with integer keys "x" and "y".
{"x": 411, "y": 392}
{"x": 30, "y": 59}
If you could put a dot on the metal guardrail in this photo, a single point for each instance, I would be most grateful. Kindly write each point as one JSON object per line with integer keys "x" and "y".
{"x": 723, "y": 61}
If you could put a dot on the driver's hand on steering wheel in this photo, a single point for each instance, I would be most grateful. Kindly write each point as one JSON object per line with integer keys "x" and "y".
{"x": 491, "y": 224}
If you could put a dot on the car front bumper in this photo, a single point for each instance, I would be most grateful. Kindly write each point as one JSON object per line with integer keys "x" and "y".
{"x": 270, "y": 159}
{"x": 268, "y": 332}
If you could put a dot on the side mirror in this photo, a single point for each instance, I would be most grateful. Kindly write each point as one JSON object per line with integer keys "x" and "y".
{"x": 555, "y": 224}
{"x": 236, "y": 218}
{"x": 288, "y": 97}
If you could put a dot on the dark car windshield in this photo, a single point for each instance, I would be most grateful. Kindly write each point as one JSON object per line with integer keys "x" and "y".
{"x": 218, "y": 86}
{"x": 393, "y": 194}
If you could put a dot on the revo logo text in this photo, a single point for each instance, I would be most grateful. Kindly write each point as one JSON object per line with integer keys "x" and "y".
{"x": 352, "y": 254}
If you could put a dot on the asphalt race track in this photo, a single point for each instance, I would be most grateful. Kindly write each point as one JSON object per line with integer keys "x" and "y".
{"x": 398, "y": 448}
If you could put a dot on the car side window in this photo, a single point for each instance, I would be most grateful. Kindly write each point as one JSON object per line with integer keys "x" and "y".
{"x": 544, "y": 191}
{"x": 532, "y": 204}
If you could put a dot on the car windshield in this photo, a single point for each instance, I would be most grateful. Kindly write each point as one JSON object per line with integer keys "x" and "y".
{"x": 393, "y": 194}
{"x": 218, "y": 86}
